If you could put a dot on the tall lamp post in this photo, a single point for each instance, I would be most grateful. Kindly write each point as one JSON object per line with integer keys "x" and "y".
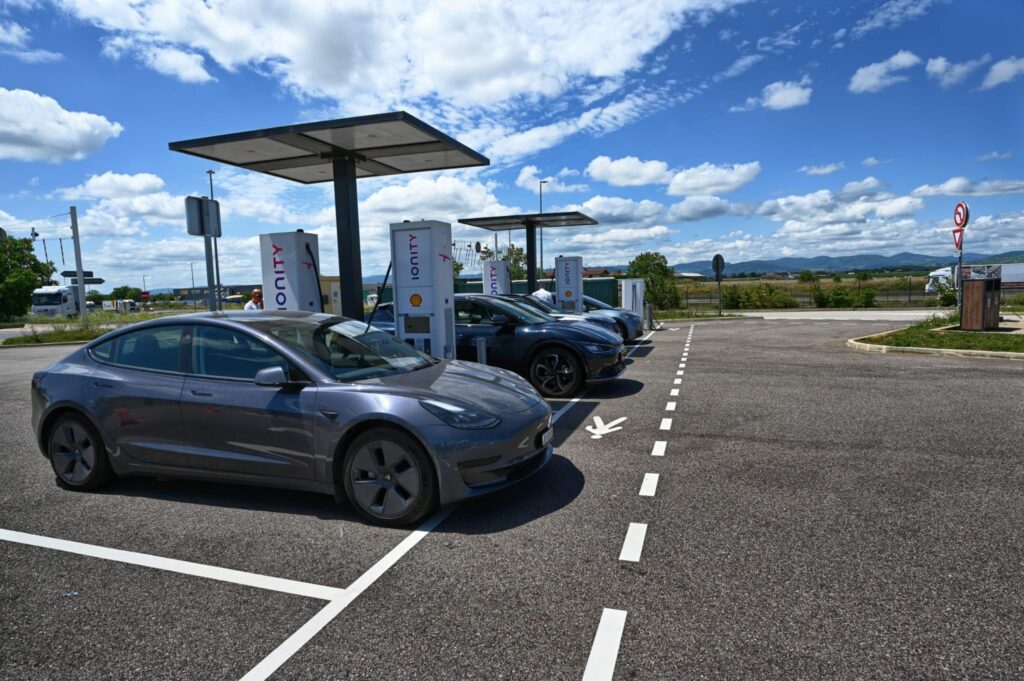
{"x": 216, "y": 257}
{"x": 540, "y": 190}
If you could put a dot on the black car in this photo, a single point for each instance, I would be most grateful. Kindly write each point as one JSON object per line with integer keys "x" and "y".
{"x": 556, "y": 357}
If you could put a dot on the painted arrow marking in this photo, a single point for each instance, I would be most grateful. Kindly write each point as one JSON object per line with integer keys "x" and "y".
{"x": 600, "y": 428}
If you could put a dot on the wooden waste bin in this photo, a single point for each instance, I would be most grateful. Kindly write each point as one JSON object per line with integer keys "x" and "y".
{"x": 980, "y": 305}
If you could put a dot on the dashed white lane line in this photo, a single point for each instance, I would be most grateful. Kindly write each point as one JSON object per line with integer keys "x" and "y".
{"x": 670, "y": 406}
{"x": 679, "y": 373}
{"x": 677, "y": 381}
{"x": 633, "y": 545}
{"x": 605, "y": 650}
{"x": 666, "y": 424}
{"x": 659, "y": 448}
{"x": 184, "y": 567}
{"x": 650, "y": 485}
{"x": 674, "y": 392}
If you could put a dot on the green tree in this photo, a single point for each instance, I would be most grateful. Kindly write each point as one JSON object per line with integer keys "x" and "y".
{"x": 20, "y": 273}
{"x": 126, "y": 293}
{"x": 486, "y": 253}
{"x": 95, "y": 297}
{"x": 516, "y": 259}
{"x": 807, "y": 277}
{"x": 659, "y": 278}
{"x": 838, "y": 278}
{"x": 456, "y": 270}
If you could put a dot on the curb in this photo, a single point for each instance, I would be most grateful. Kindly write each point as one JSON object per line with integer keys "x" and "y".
{"x": 40, "y": 345}
{"x": 685, "y": 320}
{"x": 857, "y": 344}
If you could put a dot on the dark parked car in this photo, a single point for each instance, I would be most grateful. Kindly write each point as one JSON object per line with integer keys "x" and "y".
{"x": 557, "y": 357}
{"x": 607, "y": 323}
{"x": 288, "y": 399}
{"x": 630, "y": 325}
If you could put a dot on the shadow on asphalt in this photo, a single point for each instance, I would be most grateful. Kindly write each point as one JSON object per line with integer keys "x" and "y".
{"x": 546, "y": 491}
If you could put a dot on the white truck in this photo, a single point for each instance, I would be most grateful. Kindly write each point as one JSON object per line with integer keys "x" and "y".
{"x": 55, "y": 301}
{"x": 1012, "y": 277}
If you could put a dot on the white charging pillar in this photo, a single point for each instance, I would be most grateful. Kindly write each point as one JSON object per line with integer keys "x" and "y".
{"x": 633, "y": 292}
{"x": 290, "y": 262}
{"x": 496, "y": 278}
{"x": 569, "y": 284}
{"x": 421, "y": 256}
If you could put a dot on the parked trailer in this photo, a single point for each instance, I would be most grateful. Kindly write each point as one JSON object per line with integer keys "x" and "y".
{"x": 1012, "y": 277}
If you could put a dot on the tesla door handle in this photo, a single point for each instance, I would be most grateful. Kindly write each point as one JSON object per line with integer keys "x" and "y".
{"x": 200, "y": 393}
{"x": 102, "y": 384}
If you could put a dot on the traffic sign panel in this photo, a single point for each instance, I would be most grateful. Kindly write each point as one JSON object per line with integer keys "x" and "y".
{"x": 72, "y": 273}
{"x": 958, "y": 238}
{"x": 961, "y": 215}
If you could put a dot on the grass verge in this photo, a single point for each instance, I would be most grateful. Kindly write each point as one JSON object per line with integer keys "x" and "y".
{"x": 924, "y": 335}
{"x": 66, "y": 334}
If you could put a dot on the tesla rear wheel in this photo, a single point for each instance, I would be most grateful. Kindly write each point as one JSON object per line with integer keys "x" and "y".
{"x": 621, "y": 328}
{"x": 556, "y": 372}
{"x": 77, "y": 454}
{"x": 389, "y": 478}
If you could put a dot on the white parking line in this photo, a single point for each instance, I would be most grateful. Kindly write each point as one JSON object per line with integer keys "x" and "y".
{"x": 670, "y": 406}
{"x": 659, "y": 448}
{"x": 633, "y": 545}
{"x": 674, "y": 392}
{"x": 650, "y": 485}
{"x": 184, "y": 567}
{"x": 293, "y": 643}
{"x": 605, "y": 650}
{"x": 666, "y": 424}
{"x": 677, "y": 381}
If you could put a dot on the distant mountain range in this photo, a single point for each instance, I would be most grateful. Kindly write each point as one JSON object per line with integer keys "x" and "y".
{"x": 846, "y": 263}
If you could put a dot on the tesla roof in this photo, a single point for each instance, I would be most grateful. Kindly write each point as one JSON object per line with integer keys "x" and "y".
{"x": 504, "y": 222}
{"x": 382, "y": 144}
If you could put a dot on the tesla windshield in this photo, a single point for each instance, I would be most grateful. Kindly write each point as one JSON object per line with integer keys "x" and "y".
{"x": 600, "y": 305}
{"x": 518, "y": 312}
{"x": 345, "y": 348}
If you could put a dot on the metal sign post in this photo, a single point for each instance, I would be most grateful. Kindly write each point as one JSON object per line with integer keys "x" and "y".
{"x": 718, "y": 265}
{"x": 961, "y": 216}
{"x": 83, "y": 310}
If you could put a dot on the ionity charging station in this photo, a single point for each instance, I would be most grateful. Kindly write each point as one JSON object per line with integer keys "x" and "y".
{"x": 291, "y": 271}
{"x": 497, "y": 280}
{"x": 632, "y": 292}
{"x": 569, "y": 284}
{"x": 421, "y": 253}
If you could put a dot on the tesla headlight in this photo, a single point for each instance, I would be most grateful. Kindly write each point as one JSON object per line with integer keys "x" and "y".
{"x": 460, "y": 417}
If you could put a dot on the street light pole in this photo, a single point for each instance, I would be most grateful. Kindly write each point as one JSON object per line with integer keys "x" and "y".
{"x": 192, "y": 293}
{"x": 540, "y": 187}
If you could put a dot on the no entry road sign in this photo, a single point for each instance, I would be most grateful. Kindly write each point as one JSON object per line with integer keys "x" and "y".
{"x": 961, "y": 215}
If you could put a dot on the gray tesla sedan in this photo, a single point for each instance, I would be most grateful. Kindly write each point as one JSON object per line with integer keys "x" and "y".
{"x": 288, "y": 399}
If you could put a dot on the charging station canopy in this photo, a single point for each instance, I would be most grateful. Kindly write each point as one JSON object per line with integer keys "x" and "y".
{"x": 340, "y": 151}
{"x": 530, "y": 222}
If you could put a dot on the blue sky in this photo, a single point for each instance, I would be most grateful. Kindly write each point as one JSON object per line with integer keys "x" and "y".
{"x": 753, "y": 129}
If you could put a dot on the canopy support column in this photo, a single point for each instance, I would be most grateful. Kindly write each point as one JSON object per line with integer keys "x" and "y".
{"x": 346, "y": 209}
{"x": 531, "y": 257}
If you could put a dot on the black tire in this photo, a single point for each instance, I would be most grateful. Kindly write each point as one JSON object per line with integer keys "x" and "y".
{"x": 556, "y": 372}
{"x": 77, "y": 454}
{"x": 621, "y": 328}
{"x": 389, "y": 479}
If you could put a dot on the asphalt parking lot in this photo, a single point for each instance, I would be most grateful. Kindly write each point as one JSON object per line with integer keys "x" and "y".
{"x": 816, "y": 513}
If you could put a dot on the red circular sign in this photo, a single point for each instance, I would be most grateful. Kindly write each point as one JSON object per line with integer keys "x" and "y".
{"x": 961, "y": 215}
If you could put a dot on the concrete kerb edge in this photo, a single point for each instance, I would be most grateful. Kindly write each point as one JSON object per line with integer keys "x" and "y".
{"x": 684, "y": 320}
{"x": 858, "y": 344}
{"x": 40, "y": 345}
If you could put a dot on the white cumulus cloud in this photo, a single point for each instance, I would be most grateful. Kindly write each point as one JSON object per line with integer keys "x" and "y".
{"x": 628, "y": 171}
{"x": 949, "y": 74}
{"x": 708, "y": 178}
{"x": 996, "y": 156}
{"x": 880, "y": 75}
{"x": 35, "y": 127}
{"x": 616, "y": 210}
{"x": 111, "y": 185}
{"x": 529, "y": 178}
{"x": 963, "y": 186}
{"x": 1003, "y": 72}
{"x": 826, "y": 169}
{"x": 780, "y": 95}
{"x": 697, "y": 207}
{"x": 891, "y": 14}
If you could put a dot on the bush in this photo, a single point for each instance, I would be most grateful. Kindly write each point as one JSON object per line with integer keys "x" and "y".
{"x": 731, "y": 297}
{"x": 865, "y": 298}
{"x": 947, "y": 296}
{"x": 1016, "y": 301}
{"x": 760, "y": 297}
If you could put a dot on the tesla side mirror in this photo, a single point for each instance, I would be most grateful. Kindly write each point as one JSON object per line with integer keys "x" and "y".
{"x": 271, "y": 376}
{"x": 500, "y": 320}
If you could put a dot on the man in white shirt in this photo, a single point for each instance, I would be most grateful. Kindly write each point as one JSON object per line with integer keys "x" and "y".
{"x": 256, "y": 300}
{"x": 544, "y": 294}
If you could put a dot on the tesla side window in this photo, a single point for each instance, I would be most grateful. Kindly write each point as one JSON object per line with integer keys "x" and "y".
{"x": 155, "y": 348}
{"x": 218, "y": 352}
{"x": 469, "y": 312}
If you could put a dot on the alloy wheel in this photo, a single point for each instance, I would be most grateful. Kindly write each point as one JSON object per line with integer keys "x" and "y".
{"x": 73, "y": 452}
{"x": 554, "y": 373}
{"x": 386, "y": 479}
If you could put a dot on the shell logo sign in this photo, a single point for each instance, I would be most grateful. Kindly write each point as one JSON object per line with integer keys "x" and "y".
{"x": 415, "y": 300}
{"x": 568, "y": 294}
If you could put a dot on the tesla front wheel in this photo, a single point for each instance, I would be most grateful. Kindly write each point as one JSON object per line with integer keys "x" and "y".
{"x": 389, "y": 478}
{"x": 555, "y": 372}
{"x": 77, "y": 454}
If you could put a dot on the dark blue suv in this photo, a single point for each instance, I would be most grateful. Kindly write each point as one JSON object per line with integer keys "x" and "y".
{"x": 556, "y": 357}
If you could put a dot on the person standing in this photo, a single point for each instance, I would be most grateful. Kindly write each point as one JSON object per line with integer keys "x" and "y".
{"x": 544, "y": 294}
{"x": 255, "y": 300}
